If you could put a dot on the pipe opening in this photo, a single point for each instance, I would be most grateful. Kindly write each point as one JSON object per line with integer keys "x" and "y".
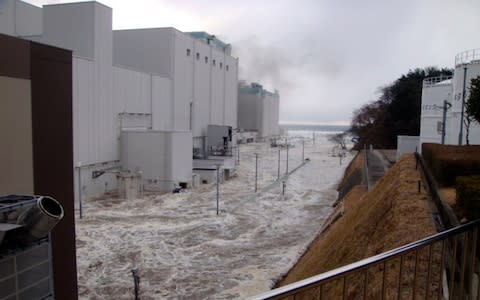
{"x": 50, "y": 207}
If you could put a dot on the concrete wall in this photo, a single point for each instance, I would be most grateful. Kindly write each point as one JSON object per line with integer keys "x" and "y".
{"x": 258, "y": 110}
{"x": 131, "y": 50}
{"x": 163, "y": 157}
{"x": 249, "y": 111}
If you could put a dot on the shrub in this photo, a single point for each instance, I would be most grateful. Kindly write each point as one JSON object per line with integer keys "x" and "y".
{"x": 446, "y": 162}
{"x": 468, "y": 195}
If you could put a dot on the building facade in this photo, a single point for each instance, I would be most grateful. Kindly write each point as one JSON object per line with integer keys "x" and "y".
{"x": 450, "y": 93}
{"x": 202, "y": 74}
{"x": 149, "y": 79}
{"x": 258, "y": 110}
{"x": 36, "y": 158}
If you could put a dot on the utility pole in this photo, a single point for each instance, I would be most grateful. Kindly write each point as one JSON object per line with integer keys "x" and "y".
{"x": 256, "y": 171}
{"x": 446, "y": 106}
{"x": 286, "y": 172}
{"x": 218, "y": 182}
{"x": 278, "y": 171}
{"x": 303, "y": 150}
{"x": 460, "y": 135}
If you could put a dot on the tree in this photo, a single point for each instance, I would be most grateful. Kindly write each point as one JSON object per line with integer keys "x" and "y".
{"x": 472, "y": 112}
{"x": 395, "y": 112}
{"x": 339, "y": 139}
{"x": 473, "y": 101}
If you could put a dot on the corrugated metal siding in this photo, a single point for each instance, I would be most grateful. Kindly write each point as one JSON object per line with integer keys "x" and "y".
{"x": 183, "y": 69}
{"x": 132, "y": 91}
{"x": 201, "y": 106}
{"x": 161, "y": 103}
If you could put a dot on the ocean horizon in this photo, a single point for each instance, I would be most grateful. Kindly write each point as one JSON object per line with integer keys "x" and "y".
{"x": 315, "y": 127}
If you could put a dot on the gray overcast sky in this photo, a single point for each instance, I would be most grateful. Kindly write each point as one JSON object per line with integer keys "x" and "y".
{"x": 327, "y": 57}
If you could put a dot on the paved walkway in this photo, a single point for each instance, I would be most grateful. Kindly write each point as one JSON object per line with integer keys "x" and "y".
{"x": 376, "y": 166}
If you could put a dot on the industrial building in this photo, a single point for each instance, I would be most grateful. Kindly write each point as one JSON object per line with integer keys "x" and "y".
{"x": 161, "y": 80}
{"x": 258, "y": 111}
{"x": 443, "y": 113}
{"x": 442, "y": 98}
{"x": 467, "y": 67}
{"x": 36, "y": 156}
{"x": 435, "y": 91}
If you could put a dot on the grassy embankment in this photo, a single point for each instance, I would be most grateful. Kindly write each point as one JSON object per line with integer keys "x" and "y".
{"x": 391, "y": 214}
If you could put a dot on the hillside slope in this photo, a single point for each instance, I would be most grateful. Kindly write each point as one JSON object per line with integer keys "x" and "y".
{"x": 391, "y": 214}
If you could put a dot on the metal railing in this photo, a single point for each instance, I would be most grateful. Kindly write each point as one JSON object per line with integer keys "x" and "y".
{"x": 442, "y": 266}
{"x": 466, "y": 57}
{"x": 429, "y": 81}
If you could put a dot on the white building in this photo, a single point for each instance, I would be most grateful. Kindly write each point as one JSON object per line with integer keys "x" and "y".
{"x": 203, "y": 75}
{"x": 258, "y": 110}
{"x": 437, "y": 90}
{"x": 466, "y": 63}
{"x": 158, "y": 84}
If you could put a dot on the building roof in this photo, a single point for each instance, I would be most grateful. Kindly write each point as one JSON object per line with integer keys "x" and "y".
{"x": 205, "y": 36}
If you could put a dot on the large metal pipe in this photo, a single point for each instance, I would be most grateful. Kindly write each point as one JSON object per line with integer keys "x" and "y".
{"x": 39, "y": 219}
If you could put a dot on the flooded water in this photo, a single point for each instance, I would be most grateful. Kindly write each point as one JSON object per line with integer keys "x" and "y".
{"x": 183, "y": 250}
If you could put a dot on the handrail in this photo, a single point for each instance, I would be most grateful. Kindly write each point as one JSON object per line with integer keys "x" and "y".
{"x": 365, "y": 263}
{"x": 447, "y": 215}
{"x": 467, "y": 56}
{"x": 429, "y": 81}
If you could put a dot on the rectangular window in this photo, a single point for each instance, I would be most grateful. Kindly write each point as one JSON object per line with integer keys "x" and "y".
{"x": 221, "y": 65}
{"x": 198, "y": 56}
{"x": 226, "y": 67}
{"x": 188, "y": 52}
{"x": 206, "y": 59}
{"x": 213, "y": 62}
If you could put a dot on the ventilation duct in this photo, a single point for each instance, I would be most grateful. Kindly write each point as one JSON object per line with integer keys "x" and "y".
{"x": 34, "y": 216}
{"x": 39, "y": 219}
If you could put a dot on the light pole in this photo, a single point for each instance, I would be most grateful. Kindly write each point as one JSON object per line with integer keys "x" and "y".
{"x": 80, "y": 205}
{"x": 218, "y": 181}
{"x": 278, "y": 171}
{"x": 286, "y": 172}
{"x": 303, "y": 150}
{"x": 256, "y": 171}
{"x": 238, "y": 154}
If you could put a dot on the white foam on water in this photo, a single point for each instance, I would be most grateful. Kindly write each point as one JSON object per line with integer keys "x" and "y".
{"x": 183, "y": 250}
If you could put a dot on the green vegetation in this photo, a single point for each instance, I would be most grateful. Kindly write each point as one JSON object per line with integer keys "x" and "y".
{"x": 396, "y": 112}
{"x": 468, "y": 195}
{"x": 473, "y": 101}
{"x": 448, "y": 161}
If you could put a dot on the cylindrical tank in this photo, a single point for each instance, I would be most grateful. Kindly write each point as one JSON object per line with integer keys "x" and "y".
{"x": 467, "y": 62}
{"x": 434, "y": 92}
{"x": 40, "y": 219}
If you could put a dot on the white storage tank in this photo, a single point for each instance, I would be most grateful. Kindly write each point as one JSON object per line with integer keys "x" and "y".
{"x": 163, "y": 157}
{"x": 435, "y": 91}
{"x": 467, "y": 62}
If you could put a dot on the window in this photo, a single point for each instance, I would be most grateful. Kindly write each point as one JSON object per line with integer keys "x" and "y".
{"x": 226, "y": 67}
{"x": 188, "y": 52}
{"x": 221, "y": 65}
{"x": 206, "y": 59}
{"x": 198, "y": 56}
{"x": 213, "y": 63}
